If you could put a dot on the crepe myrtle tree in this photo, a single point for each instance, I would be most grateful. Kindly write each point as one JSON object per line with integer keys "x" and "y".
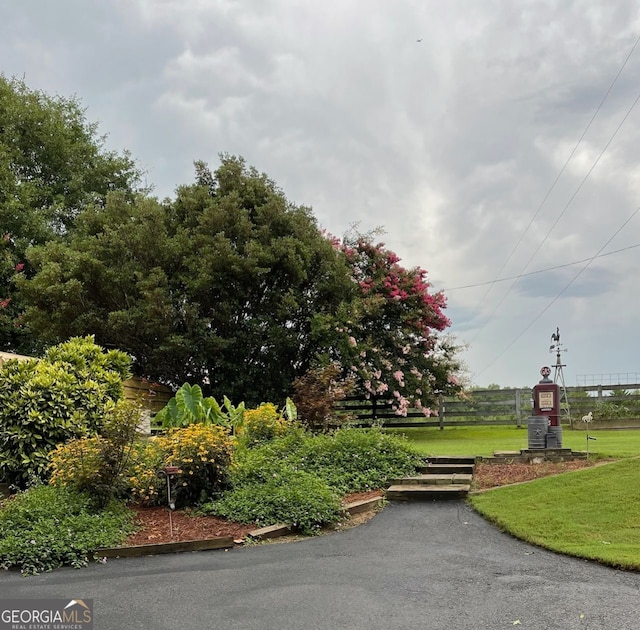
{"x": 390, "y": 337}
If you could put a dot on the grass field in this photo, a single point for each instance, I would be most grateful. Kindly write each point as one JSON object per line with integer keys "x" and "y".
{"x": 483, "y": 441}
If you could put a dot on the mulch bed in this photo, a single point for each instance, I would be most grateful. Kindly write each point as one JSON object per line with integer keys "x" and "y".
{"x": 154, "y": 526}
{"x": 493, "y": 475}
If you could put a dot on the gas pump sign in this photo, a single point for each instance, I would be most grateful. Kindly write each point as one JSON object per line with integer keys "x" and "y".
{"x": 546, "y": 400}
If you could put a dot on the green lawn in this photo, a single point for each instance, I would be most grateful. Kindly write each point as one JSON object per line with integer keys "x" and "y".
{"x": 593, "y": 513}
{"x": 483, "y": 441}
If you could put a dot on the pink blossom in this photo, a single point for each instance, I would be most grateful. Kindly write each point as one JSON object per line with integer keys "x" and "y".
{"x": 19, "y": 267}
{"x": 352, "y": 341}
{"x": 4, "y": 303}
{"x": 399, "y": 376}
{"x": 427, "y": 412}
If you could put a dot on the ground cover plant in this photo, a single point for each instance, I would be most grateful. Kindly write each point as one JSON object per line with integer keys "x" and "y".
{"x": 47, "y": 527}
{"x": 591, "y": 513}
{"x": 299, "y": 478}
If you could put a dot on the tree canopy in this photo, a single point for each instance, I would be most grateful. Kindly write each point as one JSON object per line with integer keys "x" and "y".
{"x": 53, "y": 165}
{"x": 228, "y": 285}
{"x": 220, "y": 287}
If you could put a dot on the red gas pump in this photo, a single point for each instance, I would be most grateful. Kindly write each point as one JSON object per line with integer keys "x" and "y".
{"x": 546, "y": 402}
{"x": 546, "y": 398}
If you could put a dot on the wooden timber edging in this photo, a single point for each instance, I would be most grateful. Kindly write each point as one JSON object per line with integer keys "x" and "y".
{"x": 264, "y": 533}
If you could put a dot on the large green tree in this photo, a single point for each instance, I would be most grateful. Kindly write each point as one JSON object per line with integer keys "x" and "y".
{"x": 53, "y": 164}
{"x": 223, "y": 286}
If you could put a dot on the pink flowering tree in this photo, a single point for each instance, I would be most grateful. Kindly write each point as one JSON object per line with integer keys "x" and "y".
{"x": 390, "y": 338}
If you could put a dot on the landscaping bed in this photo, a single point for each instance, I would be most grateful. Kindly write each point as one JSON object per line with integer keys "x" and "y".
{"x": 186, "y": 525}
{"x": 488, "y": 475}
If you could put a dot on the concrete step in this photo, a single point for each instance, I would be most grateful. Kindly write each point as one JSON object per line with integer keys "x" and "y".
{"x": 444, "y": 469}
{"x": 423, "y": 492}
{"x": 434, "y": 480}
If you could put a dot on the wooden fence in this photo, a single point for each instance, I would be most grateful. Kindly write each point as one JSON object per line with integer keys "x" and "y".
{"x": 487, "y": 407}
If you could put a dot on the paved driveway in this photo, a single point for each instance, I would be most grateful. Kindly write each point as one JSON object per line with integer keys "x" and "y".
{"x": 420, "y": 565}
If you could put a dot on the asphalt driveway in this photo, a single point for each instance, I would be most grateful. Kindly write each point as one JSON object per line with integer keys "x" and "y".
{"x": 432, "y": 566}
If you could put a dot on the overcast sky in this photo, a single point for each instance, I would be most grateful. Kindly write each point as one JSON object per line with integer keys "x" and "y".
{"x": 465, "y": 129}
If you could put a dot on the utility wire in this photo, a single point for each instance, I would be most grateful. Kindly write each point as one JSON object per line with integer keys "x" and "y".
{"x": 548, "y": 306}
{"x": 553, "y": 185}
{"x": 544, "y": 240}
{"x": 533, "y": 273}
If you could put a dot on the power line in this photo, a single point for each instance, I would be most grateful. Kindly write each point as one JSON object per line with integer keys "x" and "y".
{"x": 544, "y": 240}
{"x": 575, "y": 148}
{"x": 548, "y": 306}
{"x": 532, "y": 273}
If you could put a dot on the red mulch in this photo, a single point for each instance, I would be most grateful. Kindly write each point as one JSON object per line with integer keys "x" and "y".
{"x": 154, "y": 527}
{"x": 494, "y": 475}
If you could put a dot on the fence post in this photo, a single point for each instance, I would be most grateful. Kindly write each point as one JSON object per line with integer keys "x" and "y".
{"x": 441, "y": 410}
{"x": 374, "y": 412}
{"x": 518, "y": 408}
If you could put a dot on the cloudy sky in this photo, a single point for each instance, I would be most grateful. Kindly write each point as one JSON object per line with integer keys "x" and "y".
{"x": 490, "y": 139}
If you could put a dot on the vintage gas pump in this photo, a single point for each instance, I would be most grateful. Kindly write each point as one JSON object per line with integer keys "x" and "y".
{"x": 546, "y": 403}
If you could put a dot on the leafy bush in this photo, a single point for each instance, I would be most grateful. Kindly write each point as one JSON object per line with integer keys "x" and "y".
{"x": 353, "y": 460}
{"x": 261, "y": 463}
{"x": 147, "y": 457}
{"x": 261, "y": 425}
{"x": 189, "y": 406}
{"x": 203, "y": 455}
{"x": 96, "y": 465}
{"x": 610, "y": 411}
{"x": 48, "y": 527}
{"x": 317, "y": 391}
{"x": 348, "y": 459}
{"x": 294, "y": 497}
{"x": 46, "y": 402}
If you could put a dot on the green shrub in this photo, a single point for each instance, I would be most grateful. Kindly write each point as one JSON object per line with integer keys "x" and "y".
{"x": 348, "y": 459}
{"x": 96, "y": 465}
{"x": 203, "y": 455}
{"x": 147, "y": 457}
{"x": 293, "y": 497}
{"x": 610, "y": 411}
{"x": 48, "y": 527}
{"x": 260, "y": 425}
{"x": 47, "y": 402}
{"x": 261, "y": 463}
{"x": 354, "y": 460}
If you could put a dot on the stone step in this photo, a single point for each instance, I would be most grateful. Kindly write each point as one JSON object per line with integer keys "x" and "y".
{"x": 417, "y": 492}
{"x": 451, "y": 460}
{"x": 434, "y": 480}
{"x": 443, "y": 469}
